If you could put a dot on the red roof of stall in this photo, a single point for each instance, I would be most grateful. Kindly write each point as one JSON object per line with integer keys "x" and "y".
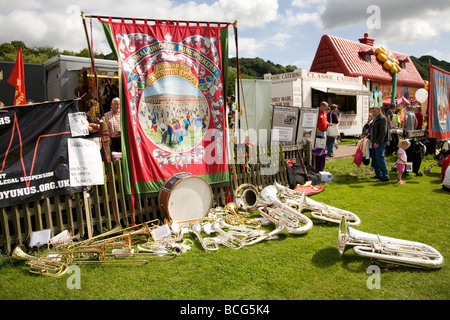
{"x": 335, "y": 54}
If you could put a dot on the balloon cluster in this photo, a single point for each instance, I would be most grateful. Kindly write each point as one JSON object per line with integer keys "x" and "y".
{"x": 389, "y": 62}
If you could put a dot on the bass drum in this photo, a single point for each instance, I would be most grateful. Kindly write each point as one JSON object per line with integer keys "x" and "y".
{"x": 184, "y": 198}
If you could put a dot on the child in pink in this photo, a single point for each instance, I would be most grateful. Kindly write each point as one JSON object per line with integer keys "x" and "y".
{"x": 402, "y": 159}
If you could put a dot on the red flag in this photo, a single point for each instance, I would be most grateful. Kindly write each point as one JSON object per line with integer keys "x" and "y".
{"x": 17, "y": 79}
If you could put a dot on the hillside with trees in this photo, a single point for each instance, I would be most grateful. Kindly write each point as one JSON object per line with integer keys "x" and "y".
{"x": 251, "y": 68}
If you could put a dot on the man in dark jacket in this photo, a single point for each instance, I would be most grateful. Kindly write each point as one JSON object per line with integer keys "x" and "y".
{"x": 379, "y": 136}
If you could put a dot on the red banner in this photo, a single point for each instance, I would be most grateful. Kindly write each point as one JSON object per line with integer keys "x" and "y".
{"x": 173, "y": 117}
{"x": 17, "y": 79}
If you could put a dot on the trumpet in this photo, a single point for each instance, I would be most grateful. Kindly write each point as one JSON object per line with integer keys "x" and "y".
{"x": 388, "y": 250}
{"x": 39, "y": 265}
{"x": 319, "y": 210}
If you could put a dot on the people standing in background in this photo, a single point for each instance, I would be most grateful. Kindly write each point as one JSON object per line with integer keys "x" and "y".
{"x": 419, "y": 116}
{"x": 410, "y": 121}
{"x": 112, "y": 118}
{"x": 322, "y": 123}
{"x": 332, "y": 118}
{"x": 379, "y": 136}
{"x": 402, "y": 159}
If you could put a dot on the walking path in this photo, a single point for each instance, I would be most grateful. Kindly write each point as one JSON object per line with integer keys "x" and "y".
{"x": 346, "y": 150}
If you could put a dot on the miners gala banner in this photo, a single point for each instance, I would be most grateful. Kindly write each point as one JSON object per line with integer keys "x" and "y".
{"x": 34, "y": 161}
{"x": 172, "y": 111}
{"x": 438, "y": 107}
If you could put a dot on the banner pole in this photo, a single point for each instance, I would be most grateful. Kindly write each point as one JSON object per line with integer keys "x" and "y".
{"x": 91, "y": 56}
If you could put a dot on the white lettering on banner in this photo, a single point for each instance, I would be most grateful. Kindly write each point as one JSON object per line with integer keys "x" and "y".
{"x": 85, "y": 163}
{"x": 5, "y": 120}
{"x": 20, "y": 192}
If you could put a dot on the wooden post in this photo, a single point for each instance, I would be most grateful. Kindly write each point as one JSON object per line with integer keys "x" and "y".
{"x": 87, "y": 212}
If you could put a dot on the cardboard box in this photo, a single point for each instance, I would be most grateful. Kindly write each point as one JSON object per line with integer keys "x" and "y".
{"x": 320, "y": 143}
{"x": 325, "y": 176}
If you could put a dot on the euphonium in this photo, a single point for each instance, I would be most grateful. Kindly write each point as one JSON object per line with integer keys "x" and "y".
{"x": 388, "y": 250}
{"x": 43, "y": 266}
{"x": 226, "y": 238}
{"x": 208, "y": 244}
{"x": 319, "y": 210}
{"x": 284, "y": 213}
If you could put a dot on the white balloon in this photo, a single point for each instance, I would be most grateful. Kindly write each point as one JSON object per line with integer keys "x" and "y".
{"x": 421, "y": 95}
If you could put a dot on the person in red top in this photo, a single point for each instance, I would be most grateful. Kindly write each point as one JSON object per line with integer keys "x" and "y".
{"x": 322, "y": 122}
{"x": 419, "y": 117}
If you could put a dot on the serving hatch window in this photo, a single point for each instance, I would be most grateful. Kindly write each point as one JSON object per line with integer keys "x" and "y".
{"x": 346, "y": 103}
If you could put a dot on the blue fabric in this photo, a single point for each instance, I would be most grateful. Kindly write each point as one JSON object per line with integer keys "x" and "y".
{"x": 379, "y": 163}
{"x": 330, "y": 145}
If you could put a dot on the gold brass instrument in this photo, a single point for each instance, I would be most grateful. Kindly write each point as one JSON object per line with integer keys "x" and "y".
{"x": 86, "y": 242}
{"x": 319, "y": 210}
{"x": 40, "y": 265}
{"x": 388, "y": 250}
{"x": 237, "y": 216}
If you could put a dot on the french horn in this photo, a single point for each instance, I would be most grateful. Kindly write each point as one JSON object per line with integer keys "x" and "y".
{"x": 388, "y": 250}
{"x": 319, "y": 210}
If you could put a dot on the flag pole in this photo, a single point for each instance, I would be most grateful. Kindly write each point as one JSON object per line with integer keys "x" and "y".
{"x": 91, "y": 56}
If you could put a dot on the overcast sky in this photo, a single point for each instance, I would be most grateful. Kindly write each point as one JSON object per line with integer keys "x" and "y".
{"x": 286, "y": 32}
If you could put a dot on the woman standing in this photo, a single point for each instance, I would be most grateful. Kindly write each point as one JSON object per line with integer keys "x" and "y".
{"x": 333, "y": 118}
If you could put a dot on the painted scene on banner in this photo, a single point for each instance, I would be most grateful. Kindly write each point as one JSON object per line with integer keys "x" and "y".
{"x": 174, "y": 102}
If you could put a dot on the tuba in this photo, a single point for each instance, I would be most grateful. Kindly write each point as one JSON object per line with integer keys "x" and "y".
{"x": 388, "y": 250}
{"x": 319, "y": 210}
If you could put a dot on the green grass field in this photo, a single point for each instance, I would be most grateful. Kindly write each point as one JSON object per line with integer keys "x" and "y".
{"x": 302, "y": 267}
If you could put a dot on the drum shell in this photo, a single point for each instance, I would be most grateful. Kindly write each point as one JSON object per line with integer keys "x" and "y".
{"x": 168, "y": 188}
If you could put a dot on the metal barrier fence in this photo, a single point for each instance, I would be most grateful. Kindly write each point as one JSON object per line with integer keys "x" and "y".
{"x": 100, "y": 207}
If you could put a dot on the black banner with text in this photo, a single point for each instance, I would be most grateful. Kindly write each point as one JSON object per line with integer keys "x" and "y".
{"x": 34, "y": 160}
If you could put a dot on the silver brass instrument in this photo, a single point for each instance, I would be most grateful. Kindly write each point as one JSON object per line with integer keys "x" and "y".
{"x": 227, "y": 239}
{"x": 283, "y": 213}
{"x": 208, "y": 244}
{"x": 246, "y": 197}
{"x": 319, "y": 210}
{"x": 388, "y": 250}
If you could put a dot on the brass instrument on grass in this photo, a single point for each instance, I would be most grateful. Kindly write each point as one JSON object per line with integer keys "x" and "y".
{"x": 388, "y": 250}
{"x": 246, "y": 197}
{"x": 319, "y": 210}
{"x": 39, "y": 265}
{"x": 227, "y": 239}
{"x": 86, "y": 242}
{"x": 208, "y": 244}
{"x": 283, "y": 213}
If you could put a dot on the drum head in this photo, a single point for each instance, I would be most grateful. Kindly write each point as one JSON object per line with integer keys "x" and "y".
{"x": 189, "y": 199}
